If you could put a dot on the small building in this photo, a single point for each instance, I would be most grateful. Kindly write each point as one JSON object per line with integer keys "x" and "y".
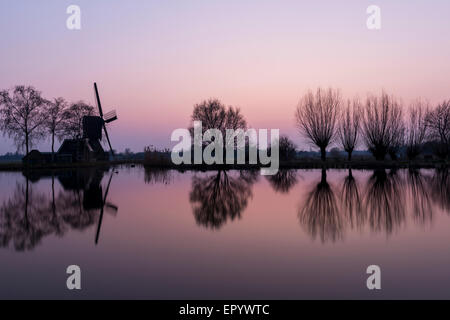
{"x": 81, "y": 150}
{"x": 35, "y": 157}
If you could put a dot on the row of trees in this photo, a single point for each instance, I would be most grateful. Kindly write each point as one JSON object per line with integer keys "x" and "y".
{"x": 27, "y": 117}
{"x": 324, "y": 118}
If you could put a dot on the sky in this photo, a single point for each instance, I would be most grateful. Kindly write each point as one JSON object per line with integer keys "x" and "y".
{"x": 154, "y": 60}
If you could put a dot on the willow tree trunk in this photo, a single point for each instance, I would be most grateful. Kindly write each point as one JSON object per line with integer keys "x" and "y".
{"x": 323, "y": 154}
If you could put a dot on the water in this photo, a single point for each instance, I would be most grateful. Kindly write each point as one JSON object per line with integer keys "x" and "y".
{"x": 225, "y": 235}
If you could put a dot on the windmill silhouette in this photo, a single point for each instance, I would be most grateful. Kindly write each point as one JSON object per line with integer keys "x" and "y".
{"x": 107, "y": 117}
{"x": 89, "y": 147}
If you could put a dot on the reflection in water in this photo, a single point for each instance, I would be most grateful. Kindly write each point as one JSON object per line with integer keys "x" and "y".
{"x": 419, "y": 193}
{"x": 320, "y": 212}
{"x": 440, "y": 188}
{"x": 283, "y": 181}
{"x": 380, "y": 203}
{"x": 382, "y": 206}
{"x": 156, "y": 176}
{"x": 30, "y": 214}
{"x": 351, "y": 201}
{"x": 25, "y": 219}
{"x": 221, "y": 196}
{"x": 384, "y": 201}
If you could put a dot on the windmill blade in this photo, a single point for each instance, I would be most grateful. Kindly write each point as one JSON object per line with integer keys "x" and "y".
{"x": 100, "y": 111}
{"x": 107, "y": 139}
{"x": 97, "y": 235}
{"x": 99, "y": 105}
{"x": 110, "y": 116}
{"x": 111, "y": 208}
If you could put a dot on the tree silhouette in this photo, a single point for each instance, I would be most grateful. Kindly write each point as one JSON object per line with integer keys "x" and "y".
{"x": 287, "y": 148}
{"x": 22, "y": 116}
{"x": 416, "y": 130}
{"x": 220, "y": 196}
{"x": 438, "y": 122}
{"x": 73, "y": 119}
{"x": 316, "y": 117}
{"x": 54, "y": 122}
{"x": 383, "y": 127}
{"x": 215, "y": 115}
{"x": 349, "y": 125}
{"x": 320, "y": 213}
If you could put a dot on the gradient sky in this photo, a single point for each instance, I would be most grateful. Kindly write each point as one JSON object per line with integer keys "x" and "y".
{"x": 153, "y": 60}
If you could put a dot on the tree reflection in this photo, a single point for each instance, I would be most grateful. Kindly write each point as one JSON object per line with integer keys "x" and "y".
{"x": 320, "y": 212}
{"x": 221, "y": 196}
{"x": 24, "y": 221}
{"x": 352, "y": 202}
{"x": 384, "y": 201}
{"x": 157, "y": 176}
{"x": 283, "y": 180}
{"x": 29, "y": 215}
{"x": 440, "y": 188}
{"x": 419, "y": 195}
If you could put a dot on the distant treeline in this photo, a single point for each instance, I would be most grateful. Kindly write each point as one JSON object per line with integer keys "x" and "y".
{"x": 381, "y": 124}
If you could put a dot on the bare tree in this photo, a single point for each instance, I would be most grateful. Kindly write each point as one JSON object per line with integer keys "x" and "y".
{"x": 73, "y": 119}
{"x": 215, "y": 115}
{"x": 55, "y": 117}
{"x": 287, "y": 148}
{"x": 316, "y": 117}
{"x": 438, "y": 122}
{"x": 22, "y": 116}
{"x": 349, "y": 126}
{"x": 416, "y": 129}
{"x": 383, "y": 127}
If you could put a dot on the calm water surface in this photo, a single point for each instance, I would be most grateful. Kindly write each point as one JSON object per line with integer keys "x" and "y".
{"x": 172, "y": 235}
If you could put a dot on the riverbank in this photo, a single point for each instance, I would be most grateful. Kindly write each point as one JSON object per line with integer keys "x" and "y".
{"x": 294, "y": 164}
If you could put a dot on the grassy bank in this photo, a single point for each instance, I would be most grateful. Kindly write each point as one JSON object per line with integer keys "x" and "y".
{"x": 293, "y": 164}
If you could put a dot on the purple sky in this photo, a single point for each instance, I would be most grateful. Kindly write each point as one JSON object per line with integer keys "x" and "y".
{"x": 153, "y": 60}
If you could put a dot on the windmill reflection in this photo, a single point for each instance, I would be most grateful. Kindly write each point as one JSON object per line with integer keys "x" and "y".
{"x": 221, "y": 196}
{"x": 283, "y": 180}
{"x": 30, "y": 215}
{"x": 320, "y": 213}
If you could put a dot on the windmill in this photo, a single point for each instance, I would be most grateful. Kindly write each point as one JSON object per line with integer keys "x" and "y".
{"x": 92, "y": 123}
{"x": 89, "y": 148}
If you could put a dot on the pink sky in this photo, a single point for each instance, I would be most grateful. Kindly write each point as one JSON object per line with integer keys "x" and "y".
{"x": 154, "y": 60}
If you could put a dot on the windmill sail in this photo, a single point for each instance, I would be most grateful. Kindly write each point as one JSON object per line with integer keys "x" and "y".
{"x": 109, "y": 119}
